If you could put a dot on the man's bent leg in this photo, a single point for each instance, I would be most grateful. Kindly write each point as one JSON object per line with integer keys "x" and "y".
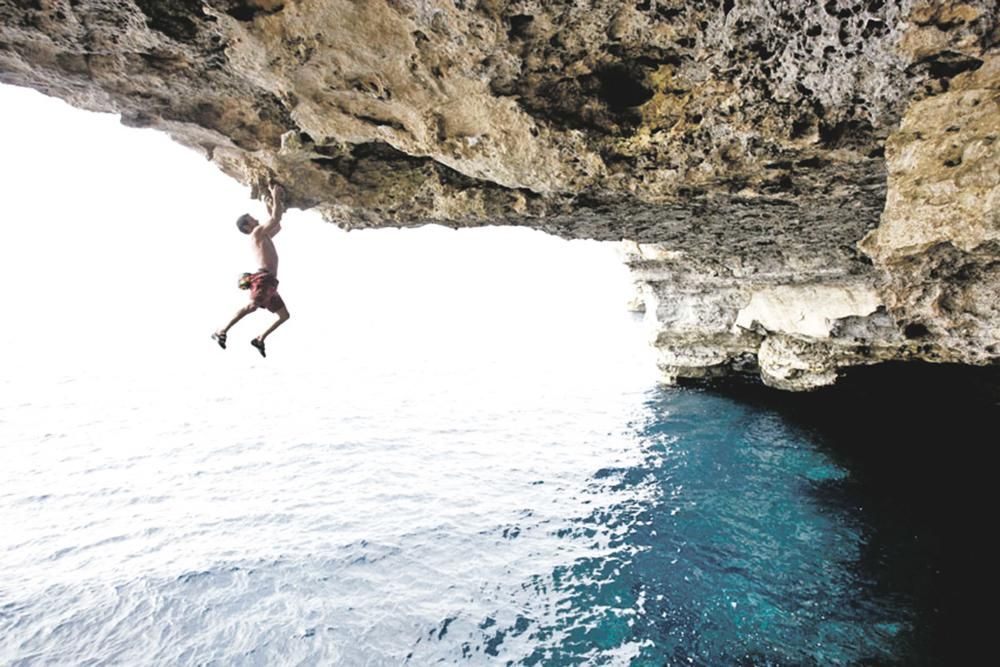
{"x": 240, "y": 314}
{"x": 282, "y": 318}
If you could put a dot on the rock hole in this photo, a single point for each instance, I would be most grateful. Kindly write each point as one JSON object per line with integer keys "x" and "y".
{"x": 915, "y": 330}
{"x": 761, "y": 50}
{"x": 620, "y": 89}
{"x": 329, "y": 151}
{"x": 801, "y": 126}
{"x": 814, "y": 31}
{"x": 873, "y": 27}
{"x": 953, "y": 162}
{"x": 668, "y": 13}
{"x": 242, "y": 13}
{"x": 845, "y": 133}
{"x": 843, "y": 36}
{"x": 948, "y": 64}
{"x": 727, "y": 6}
{"x": 812, "y": 162}
{"x": 248, "y": 11}
{"x": 781, "y": 184}
{"x": 177, "y": 20}
{"x": 519, "y": 26}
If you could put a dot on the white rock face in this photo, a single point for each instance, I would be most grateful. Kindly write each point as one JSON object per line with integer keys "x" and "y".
{"x": 806, "y": 310}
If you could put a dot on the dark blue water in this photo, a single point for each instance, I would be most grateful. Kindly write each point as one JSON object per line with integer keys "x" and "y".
{"x": 841, "y": 528}
{"x": 734, "y": 555}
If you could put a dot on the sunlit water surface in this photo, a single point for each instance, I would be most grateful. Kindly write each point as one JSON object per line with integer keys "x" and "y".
{"x": 357, "y": 514}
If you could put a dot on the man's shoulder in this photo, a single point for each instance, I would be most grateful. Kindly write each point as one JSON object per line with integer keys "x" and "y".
{"x": 261, "y": 236}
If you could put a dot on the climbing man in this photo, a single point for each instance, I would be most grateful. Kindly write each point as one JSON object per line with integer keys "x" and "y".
{"x": 263, "y": 284}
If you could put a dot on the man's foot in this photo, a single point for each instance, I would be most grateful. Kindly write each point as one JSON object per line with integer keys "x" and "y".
{"x": 220, "y": 338}
{"x": 259, "y": 344}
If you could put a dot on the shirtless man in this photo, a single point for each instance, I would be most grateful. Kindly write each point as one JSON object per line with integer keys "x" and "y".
{"x": 263, "y": 284}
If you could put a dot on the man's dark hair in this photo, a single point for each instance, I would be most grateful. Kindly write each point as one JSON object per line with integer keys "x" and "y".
{"x": 243, "y": 221}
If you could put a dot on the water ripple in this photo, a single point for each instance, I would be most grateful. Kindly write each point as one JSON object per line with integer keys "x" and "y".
{"x": 653, "y": 528}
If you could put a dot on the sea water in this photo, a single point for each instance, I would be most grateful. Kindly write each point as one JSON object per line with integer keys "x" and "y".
{"x": 431, "y": 505}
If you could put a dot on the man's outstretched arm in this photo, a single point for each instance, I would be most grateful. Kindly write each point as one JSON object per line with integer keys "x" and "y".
{"x": 275, "y": 208}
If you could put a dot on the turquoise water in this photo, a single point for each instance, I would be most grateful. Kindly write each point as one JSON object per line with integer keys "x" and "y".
{"x": 728, "y": 554}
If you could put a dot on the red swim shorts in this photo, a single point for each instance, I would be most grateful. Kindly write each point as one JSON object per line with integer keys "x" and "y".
{"x": 264, "y": 291}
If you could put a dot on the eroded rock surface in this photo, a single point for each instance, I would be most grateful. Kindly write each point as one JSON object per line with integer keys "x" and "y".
{"x": 748, "y": 146}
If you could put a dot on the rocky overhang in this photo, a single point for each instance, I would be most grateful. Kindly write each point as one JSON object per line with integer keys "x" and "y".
{"x": 803, "y": 186}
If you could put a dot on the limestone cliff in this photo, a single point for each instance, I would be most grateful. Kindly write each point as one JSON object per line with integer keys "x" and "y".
{"x": 807, "y": 185}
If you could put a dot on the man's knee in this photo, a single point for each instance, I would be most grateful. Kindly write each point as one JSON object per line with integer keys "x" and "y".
{"x": 283, "y": 314}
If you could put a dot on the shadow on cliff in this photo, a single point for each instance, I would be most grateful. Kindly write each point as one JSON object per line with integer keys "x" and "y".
{"x": 917, "y": 440}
